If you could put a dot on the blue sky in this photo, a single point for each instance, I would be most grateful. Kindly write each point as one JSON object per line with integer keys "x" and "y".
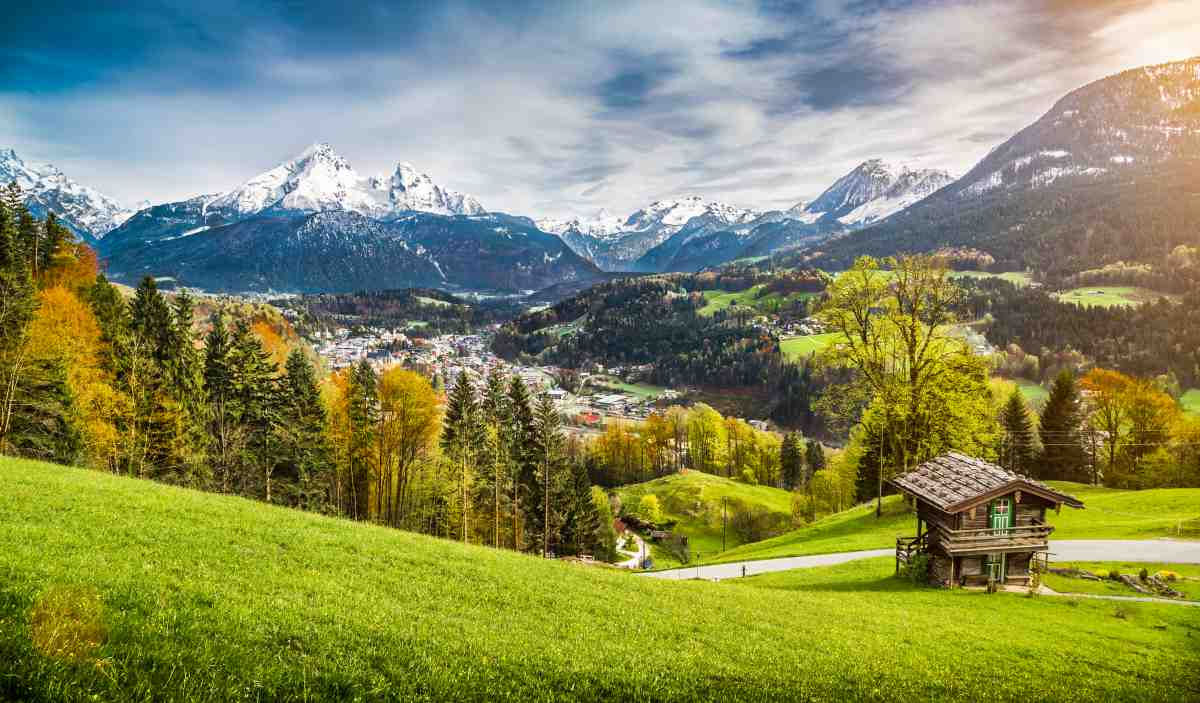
{"x": 553, "y": 108}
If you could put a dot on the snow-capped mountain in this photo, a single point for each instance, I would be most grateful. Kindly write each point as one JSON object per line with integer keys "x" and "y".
{"x": 1107, "y": 175}
{"x": 873, "y": 191}
{"x": 601, "y": 224}
{"x": 617, "y": 245}
{"x": 320, "y": 179}
{"x": 90, "y": 213}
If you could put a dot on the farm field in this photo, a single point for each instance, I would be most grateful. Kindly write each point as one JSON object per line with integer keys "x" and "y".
{"x": 693, "y": 501}
{"x": 1188, "y": 584}
{"x": 118, "y": 589}
{"x": 795, "y": 348}
{"x": 1017, "y": 278}
{"x": 715, "y": 300}
{"x": 1109, "y": 514}
{"x": 1034, "y": 393}
{"x": 1109, "y": 296}
{"x": 642, "y": 390}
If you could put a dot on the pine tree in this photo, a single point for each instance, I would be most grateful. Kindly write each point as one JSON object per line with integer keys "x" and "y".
{"x": 1063, "y": 457}
{"x": 494, "y": 415}
{"x": 545, "y": 516}
{"x": 223, "y": 430}
{"x": 1018, "y": 452}
{"x": 305, "y": 455}
{"x": 791, "y": 461}
{"x": 256, "y": 410}
{"x": 363, "y": 415}
{"x": 55, "y": 236}
{"x": 524, "y": 451}
{"x": 582, "y": 522}
{"x": 814, "y": 457}
{"x": 461, "y": 437}
{"x": 17, "y": 305}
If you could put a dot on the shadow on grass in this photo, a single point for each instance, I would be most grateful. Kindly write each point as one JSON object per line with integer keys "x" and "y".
{"x": 886, "y": 584}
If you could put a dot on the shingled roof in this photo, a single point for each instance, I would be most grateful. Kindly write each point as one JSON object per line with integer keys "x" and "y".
{"x": 954, "y": 482}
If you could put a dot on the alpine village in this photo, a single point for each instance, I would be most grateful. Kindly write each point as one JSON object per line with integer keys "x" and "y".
{"x": 886, "y": 388}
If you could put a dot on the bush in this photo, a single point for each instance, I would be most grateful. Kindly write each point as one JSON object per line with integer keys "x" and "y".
{"x": 917, "y": 569}
{"x": 1100, "y": 574}
{"x": 1168, "y": 576}
{"x": 1115, "y": 575}
{"x": 1143, "y": 575}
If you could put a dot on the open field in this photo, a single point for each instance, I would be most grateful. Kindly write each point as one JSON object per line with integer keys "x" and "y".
{"x": 693, "y": 500}
{"x": 715, "y": 300}
{"x": 1034, "y": 393}
{"x": 795, "y": 348}
{"x": 117, "y": 589}
{"x": 1189, "y": 583}
{"x": 642, "y": 390}
{"x": 1190, "y": 401}
{"x": 1109, "y": 514}
{"x": 1109, "y": 296}
{"x": 1017, "y": 278}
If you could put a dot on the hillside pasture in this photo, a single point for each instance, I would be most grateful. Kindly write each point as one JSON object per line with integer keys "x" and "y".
{"x": 797, "y": 348}
{"x": 115, "y": 589}
{"x": 1109, "y": 296}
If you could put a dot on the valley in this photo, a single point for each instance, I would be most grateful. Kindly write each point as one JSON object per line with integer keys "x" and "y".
{"x": 720, "y": 351}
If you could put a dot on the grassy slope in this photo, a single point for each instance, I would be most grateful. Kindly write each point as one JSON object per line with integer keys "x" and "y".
{"x": 1034, "y": 393}
{"x": 1109, "y": 514}
{"x": 795, "y": 348}
{"x": 694, "y": 501}
{"x": 1109, "y": 296}
{"x": 1017, "y": 278}
{"x": 205, "y": 597}
{"x": 1190, "y": 401}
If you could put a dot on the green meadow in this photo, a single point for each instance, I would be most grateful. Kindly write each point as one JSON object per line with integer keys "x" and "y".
{"x": 115, "y": 589}
{"x": 1109, "y": 296}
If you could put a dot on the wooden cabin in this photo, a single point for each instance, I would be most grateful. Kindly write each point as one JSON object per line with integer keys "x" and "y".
{"x": 976, "y": 521}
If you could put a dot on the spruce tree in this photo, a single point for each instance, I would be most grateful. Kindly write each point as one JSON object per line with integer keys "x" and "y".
{"x": 1018, "y": 452}
{"x": 461, "y": 438}
{"x": 582, "y": 522}
{"x": 791, "y": 461}
{"x": 305, "y": 454}
{"x": 524, "y": 452}
{"x": 256, "y": 411}
{"x": 1063, "y": 457}
{"x": 223, "y": 430}
{"x": 363, "y": 411}
{"x": 545, "y": 514}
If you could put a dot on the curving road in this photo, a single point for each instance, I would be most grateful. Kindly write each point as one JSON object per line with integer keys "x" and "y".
{"x": 1156, "y": 550}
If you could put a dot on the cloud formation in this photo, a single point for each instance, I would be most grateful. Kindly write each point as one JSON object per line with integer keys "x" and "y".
{"x": 554, "y": 108}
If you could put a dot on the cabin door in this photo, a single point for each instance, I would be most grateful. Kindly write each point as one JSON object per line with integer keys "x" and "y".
{"x": 1000, "y": 520}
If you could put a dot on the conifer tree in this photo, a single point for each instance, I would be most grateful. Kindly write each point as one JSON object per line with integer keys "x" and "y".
{"x": 582, "y": 522}
{"x": 494, "y": 415}
{"x": 363, "y": 415}
{"x": 255, "y": 410}
{"x": 545, "y": 515}
{"x": 1018, "y": 452}
{"x": 791, "y": 461}
{"x": 17, "y": 305}
{"x": 306, "y": 458}
{"x": 460, "y": 438}
{"x": 524, "y": 451}
{"x": 1063, "y": 457}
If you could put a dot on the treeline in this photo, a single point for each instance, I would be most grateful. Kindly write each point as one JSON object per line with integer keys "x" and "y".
{"x": 132, "y": 387}
{"x": 441, "y": 312}
{"x": 1152, "y": 339}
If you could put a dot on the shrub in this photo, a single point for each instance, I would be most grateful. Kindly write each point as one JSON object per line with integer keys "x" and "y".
{"x": 1100, "y": 574}
{"x": 1115, "y": 575}
{"x": 1143, "y": 575}
{"x": 917, "y": 569}
{"x": 1168, "y": 576}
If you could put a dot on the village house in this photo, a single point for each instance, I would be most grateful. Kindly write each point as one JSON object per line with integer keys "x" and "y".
{"x": 976, "y": 522}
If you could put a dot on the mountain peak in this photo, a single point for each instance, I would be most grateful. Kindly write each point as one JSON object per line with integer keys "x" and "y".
{"x": 874, "y": 190}
{"x": 47, "y": 189}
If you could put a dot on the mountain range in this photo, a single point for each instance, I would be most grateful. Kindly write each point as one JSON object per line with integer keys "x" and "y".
{"x": 1108, "y": 174}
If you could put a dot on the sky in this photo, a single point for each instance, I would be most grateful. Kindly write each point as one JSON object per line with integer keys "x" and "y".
{"x": 553, "y": 108}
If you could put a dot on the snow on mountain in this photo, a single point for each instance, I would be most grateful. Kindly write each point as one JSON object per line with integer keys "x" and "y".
{"x": 47, "y": 189}
{"x": 873, "y": 191}
{"x": 600, "y": 225}
{"x": 320, "y": 179}
{"x": 674, "y": 214}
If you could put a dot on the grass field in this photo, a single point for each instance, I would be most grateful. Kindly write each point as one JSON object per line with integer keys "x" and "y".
{"x": 715, "y": 300}
{"x": 1017, "y": 278}
{"x": 113, "y": 589}
{"x": 1190, "y": 401}
{"x": 795, "y": 348}
{"x": 1189, "y": 583}
{"x": 642, "y": 390}
{"x": 1109, "y": 296}
{"x": 1035, "y": 393}
{"x": 694, "y": 501}
{"x": 1109, "y": 514}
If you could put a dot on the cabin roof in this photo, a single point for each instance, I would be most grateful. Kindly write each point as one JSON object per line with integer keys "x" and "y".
{"x": 956, "y": 482}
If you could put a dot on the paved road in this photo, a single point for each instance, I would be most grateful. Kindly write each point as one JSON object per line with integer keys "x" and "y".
{"x": 634, "y": 561}
{"x": 1157, "y": 550}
